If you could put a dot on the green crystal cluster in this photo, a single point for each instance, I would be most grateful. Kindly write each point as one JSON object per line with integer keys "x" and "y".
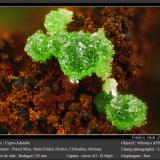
{"x": 38, "y": 47}
{"x": 126, "y": 112}
{"x": 123, "y": 111}
{"x": 79, "y": 54}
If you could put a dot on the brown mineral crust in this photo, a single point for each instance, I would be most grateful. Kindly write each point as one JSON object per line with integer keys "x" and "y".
{"x": 91, "y": 85}
{"x": 39, "y": 98}
{"x": 118, "y": 27}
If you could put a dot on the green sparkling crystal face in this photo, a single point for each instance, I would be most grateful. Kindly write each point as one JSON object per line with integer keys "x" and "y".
{"x": 79, "y": 54}
{"x": 56, "y": 21}
{"x": 126, "y": 112}
{"x": 82, "y": 53}
{"x": 37, "y": 47}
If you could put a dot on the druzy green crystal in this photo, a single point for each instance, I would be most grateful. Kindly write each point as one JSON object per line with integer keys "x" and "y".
{"x": 82, "y": 53}
{"x": 56, "y": 21}
{"x": 38, "y": 47}
{"x": 126, "y": 112}
{"x": 79, "y": 54}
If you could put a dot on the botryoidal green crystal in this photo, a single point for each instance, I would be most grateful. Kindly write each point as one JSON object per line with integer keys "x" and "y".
{"x": 126, "y": 112}
{"x": 82, "y": 54}
{"x": 56, "y": 21}
{"x": 37, "y": 47}
{"x": 79, "y": 54}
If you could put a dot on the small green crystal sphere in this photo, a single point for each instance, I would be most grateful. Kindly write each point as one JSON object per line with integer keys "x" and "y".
{"x": 38, "y": 47}
{"x": 56, "y": 21}
{"x": 126, "y": 112}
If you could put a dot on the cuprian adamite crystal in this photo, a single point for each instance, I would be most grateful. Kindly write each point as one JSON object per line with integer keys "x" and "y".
{"x": 126, "y": 112}
{"x": 79, "y": 54}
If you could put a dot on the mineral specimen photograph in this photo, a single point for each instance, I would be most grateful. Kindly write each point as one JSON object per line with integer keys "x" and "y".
{"x": 79, "y": 70}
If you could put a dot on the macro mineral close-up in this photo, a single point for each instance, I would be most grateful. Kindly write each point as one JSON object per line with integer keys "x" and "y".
{"x": 79, "y": 70}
